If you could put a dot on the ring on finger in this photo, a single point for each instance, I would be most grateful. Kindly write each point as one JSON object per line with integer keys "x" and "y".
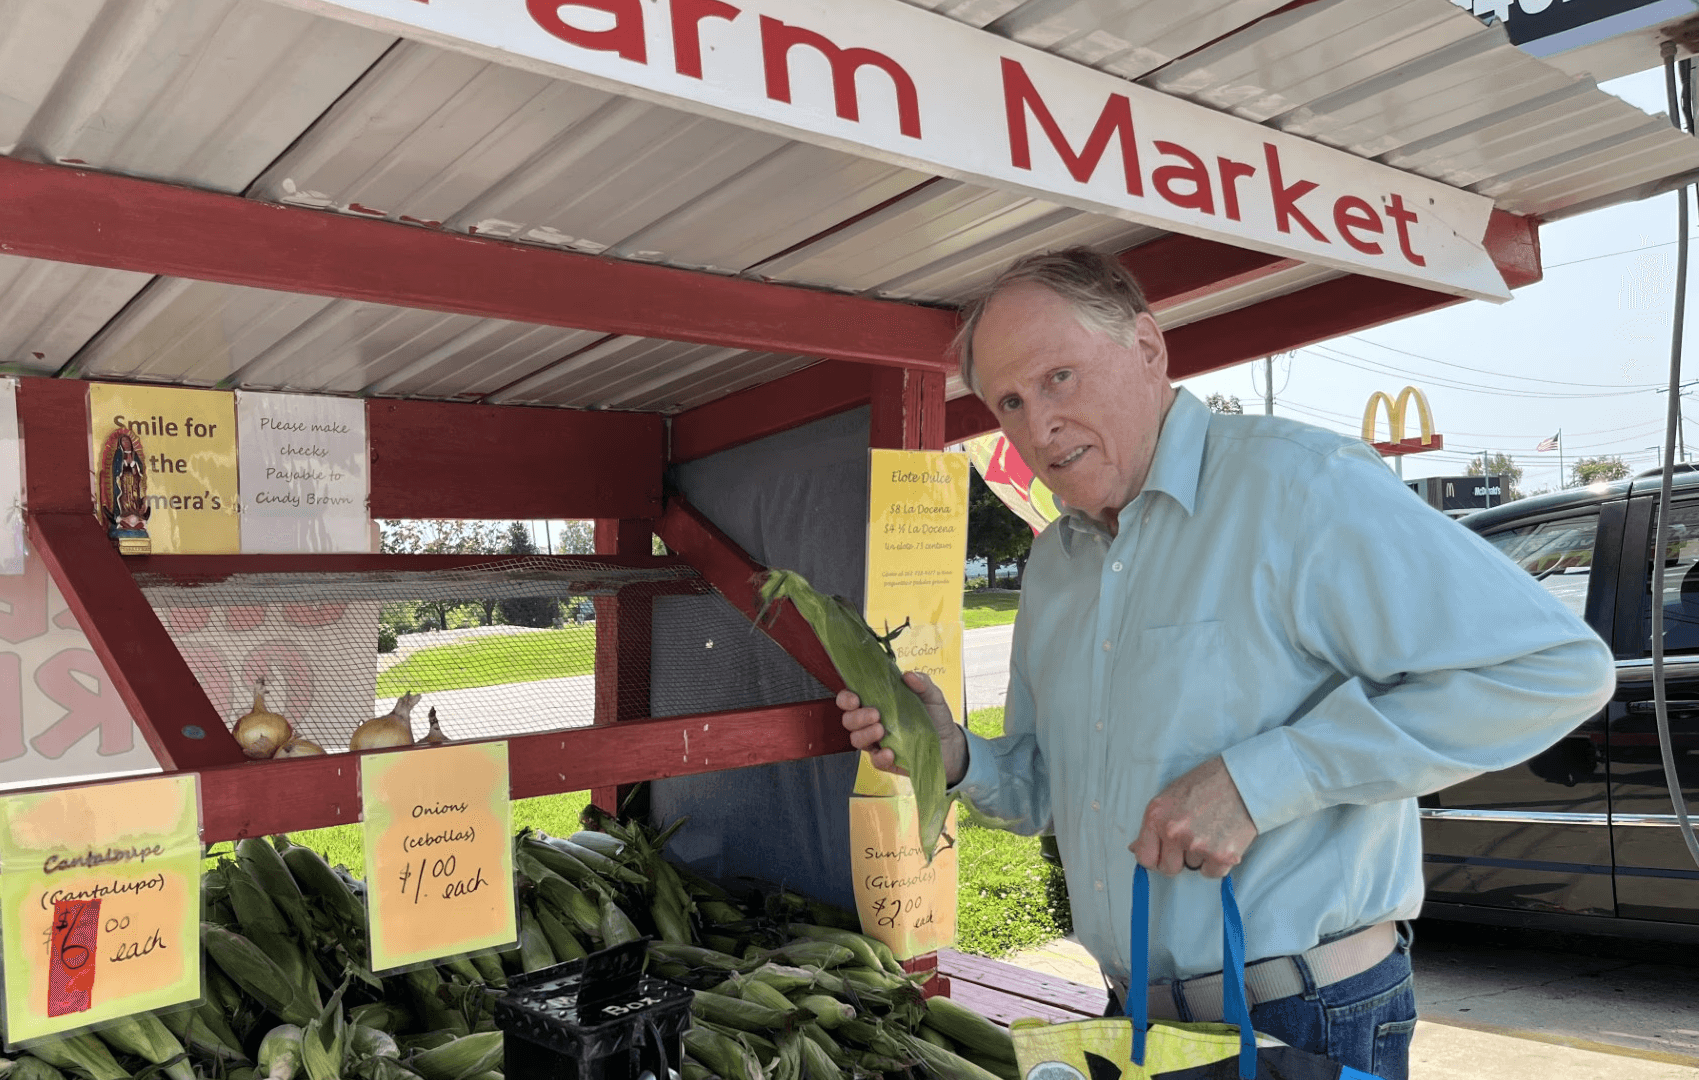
{"x": 1189, "y": 866}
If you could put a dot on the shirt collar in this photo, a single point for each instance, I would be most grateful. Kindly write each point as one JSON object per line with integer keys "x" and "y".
{"x": 1174, "y": 470}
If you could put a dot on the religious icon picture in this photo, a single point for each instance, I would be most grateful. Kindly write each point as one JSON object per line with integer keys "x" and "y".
{"x": 123, "y": 492}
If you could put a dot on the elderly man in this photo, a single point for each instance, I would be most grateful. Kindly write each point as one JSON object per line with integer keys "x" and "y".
{"x": 1244, "y": 648}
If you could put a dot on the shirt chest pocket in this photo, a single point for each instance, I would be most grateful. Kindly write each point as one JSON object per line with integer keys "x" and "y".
{"x": 1171, "y": 693}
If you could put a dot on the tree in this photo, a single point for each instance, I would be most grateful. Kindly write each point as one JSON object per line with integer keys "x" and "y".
{"x": 526, "y": 610}
{"x": 994, "y": 532}
{"x": 576, "y": 538}
{"x": 437, "y": 537}
{"x": 1224, "y": 403}
{"x": 1501, "y": 465}
{"x": 1599, "y": 470}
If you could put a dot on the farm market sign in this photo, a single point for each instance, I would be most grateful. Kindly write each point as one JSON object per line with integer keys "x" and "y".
{"x": 882, "y": 79}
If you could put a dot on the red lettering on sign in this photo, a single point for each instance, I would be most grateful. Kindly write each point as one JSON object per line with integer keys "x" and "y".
{"x": 1231, "y": 173}
{"x": 624, "y": 37}
{"x": 687, "y": 31}
{"x": 241, "y": 619}
{"x": 85, "y": 710}
{"x": 1193, "y": 173}
{"x": 11, "y": 706}
{"x": 1020, "y": 96}
{"x": 777, "y": 40}
{"x": 311, "y": 615}
{"x": 1286, "y": 197}
{"x": 1404, "y": 217}
{"x": 70, "y": 962}
{"x": 25, "y": 598}
{"x": 1351, "y": 213}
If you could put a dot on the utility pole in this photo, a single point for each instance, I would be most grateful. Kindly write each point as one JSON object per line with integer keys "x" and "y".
{"x": 1680, "y": 429}
{"x": 1268, "y": 387}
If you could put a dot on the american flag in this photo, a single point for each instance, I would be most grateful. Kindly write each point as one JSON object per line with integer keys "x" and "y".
{"x": 1548, "y": 444}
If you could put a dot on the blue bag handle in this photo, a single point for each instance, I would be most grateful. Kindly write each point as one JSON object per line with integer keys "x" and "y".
{"x": 1235, "y": 1009}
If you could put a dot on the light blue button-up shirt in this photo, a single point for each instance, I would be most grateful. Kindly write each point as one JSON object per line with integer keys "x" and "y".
{"x": 1276, "y": 597}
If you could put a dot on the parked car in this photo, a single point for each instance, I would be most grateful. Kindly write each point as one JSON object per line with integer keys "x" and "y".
{"x": 1583, "y": 837}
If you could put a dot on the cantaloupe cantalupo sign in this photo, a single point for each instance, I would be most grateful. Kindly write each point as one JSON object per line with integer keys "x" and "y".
{"x": 883, "y": 79}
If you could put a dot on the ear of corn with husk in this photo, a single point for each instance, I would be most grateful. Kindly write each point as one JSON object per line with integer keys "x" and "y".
{"x": 869, "y": 668}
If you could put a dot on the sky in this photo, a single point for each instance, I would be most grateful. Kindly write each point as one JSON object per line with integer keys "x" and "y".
{"x": 1582, "y": 351}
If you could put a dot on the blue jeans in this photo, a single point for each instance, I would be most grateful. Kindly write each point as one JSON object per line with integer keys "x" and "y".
{"x": 1365, "y": 1021}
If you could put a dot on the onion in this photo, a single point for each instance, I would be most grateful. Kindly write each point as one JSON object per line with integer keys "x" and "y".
{"x": 392, "y": 729}
{"x": 298, "y": 747}
{"x": 433, "y": 737}
{"x": 260, "y": 733}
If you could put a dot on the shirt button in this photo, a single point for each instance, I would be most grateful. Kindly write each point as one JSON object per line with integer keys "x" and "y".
{"x": 1094, "y": 805}
{"x": 1106, "y": 645}
{"x": 1147, "y": 514}
{"x": 1100, "y": 886}
{"x": 1116, "y": 566}
{"x": 1100, "y": 725}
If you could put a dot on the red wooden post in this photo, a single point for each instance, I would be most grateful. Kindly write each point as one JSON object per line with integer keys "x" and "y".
{"x": 623, "y": 627}
{"x": 908, "y": 410}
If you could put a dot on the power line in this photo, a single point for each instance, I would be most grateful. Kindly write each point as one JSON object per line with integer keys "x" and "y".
{"x": 1378, "y": 368}
{"x": 1500, "y": 374}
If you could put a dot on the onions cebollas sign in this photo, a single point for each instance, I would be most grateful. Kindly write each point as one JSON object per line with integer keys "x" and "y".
{"x": 881, "y": 79}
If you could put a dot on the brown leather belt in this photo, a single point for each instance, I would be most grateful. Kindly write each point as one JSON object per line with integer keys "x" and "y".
{"x": 1277, "y": 977}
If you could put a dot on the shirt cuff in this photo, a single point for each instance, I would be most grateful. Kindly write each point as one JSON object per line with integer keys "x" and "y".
{"x": 1271, "y": 779}
{"x": 980, "y": 779}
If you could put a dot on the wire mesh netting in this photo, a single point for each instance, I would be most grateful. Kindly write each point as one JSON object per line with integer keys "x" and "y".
{"x": 496, "y": 649}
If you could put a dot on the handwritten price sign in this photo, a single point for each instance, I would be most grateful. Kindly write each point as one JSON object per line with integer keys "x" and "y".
{"x": 903, "y": 901}
{"x": 99, "y": 903}
{"x": 438, "y": 858}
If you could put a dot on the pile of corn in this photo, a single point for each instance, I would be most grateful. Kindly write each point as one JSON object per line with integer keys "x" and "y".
{"x": 786, "y": 990}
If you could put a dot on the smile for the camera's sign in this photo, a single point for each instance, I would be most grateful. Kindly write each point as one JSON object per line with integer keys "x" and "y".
{"x": 885, "y": 80}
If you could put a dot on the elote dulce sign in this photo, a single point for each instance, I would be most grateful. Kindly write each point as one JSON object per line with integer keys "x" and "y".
{"x": 882, "y": 79}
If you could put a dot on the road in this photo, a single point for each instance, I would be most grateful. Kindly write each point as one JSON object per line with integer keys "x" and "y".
{"x": 985, "y": 661}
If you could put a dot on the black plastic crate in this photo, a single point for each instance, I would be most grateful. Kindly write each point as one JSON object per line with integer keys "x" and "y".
{"x": 599, "y": 1018}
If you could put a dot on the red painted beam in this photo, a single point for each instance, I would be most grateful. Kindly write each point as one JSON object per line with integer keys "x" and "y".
{"x": 198, "y": 569}
{"x": 1176, "y": 268}
{"x": 624, "y": 627}
{"x": 99, "y": 219}
{"x": 155, "y": 683}
{"x": 53, "y": 419}
{"x": 309, "y": 793}
{"x": 801, "y": 398}
{"x": 908, "y": 410}
{"x": 433, "y": 459}
{"x": 966, "y": 418}
{"x": 700, "y": 543}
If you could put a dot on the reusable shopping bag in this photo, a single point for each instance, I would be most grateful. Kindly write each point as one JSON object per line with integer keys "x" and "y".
{"x": 1133, "y": 1048}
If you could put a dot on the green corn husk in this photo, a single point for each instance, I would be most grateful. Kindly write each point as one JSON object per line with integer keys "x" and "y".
{"x": 490, "y": 967}
{"x": 29, "y": 1067}
{"x": 935, "y": 1037}
{"x": 869, "y": 668}
{"x": 719, "y": 912}
{"x": 727, "y": 1057}
{"x": 761, "y": 994}
{"x": 789, "y": 1063}
{"x": 599, "y": 842}
{"x": 263, "y": 861}
{"x": 379, "y": 1016}
{"x": 561, "y": 940}
{"x": 810, "y": 953}
{"x": 84, "y": 1053}
{"x": 816, "y": 1063}
{"x": 534, "y": 951}
{"x": 861, "y": 945}
{"x": 579, "y": 909}
{"x": 281, "y": 1052}
{"x": 828, "y": 1011}
{"x": 943, "y": 1064}
{"x": 691, "y": 1069}
{"x": 205, "y": 1030}
{"x": 369, "y": 1042}
{"x": 616, "y": 927}
{"x": 250, "y": 968}
{"x": 817, "y": 1035}
{"x": 785, "y": 979}
{"x": 991, "y": 1065}
{"x": 318, "y": 881}
{"x": 558, "y": 862}
{"x": 460, "y": 967}
{"x": 669, "y": 920}
{"x": 325, "y": 1040}
{"x": 461, "y": 1059}
{"x": 970, "y": 1030}
{"x": 146, "y": 1037}
{"x": 737, "y": 1012}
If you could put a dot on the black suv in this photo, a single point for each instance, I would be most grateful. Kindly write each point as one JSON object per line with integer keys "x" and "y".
{"x": 1583, "y": 837}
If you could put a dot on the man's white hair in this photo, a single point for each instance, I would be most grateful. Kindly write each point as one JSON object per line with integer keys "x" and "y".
{"x": 1103, "y": 294}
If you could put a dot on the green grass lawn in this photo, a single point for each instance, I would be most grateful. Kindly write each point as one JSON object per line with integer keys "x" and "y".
{"x": 982, "y": 608}
{"x": 524, "y": 657}
{"x": 1008, "y": 897}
